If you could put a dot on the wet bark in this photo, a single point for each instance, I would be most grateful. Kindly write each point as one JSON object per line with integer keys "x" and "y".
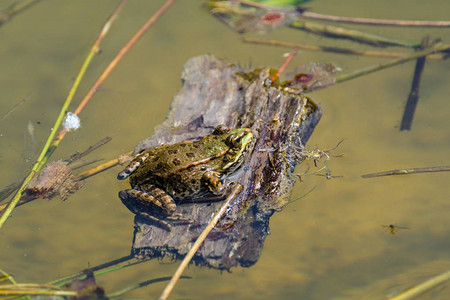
{"x": 217, "y": 92}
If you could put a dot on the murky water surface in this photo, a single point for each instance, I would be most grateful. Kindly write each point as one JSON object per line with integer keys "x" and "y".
{"x": 327, "y": 245}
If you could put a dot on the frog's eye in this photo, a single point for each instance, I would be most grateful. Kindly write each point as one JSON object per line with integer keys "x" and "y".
{"x": 233, "y": 141}
{"x": 221, "y": 129}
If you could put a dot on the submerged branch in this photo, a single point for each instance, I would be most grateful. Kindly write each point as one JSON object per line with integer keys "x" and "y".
{"x": 407, "y": 171}
{"x": 413, "y": 97}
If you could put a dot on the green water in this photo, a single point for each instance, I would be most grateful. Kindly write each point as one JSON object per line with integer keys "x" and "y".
{"x": 328, "y": 245}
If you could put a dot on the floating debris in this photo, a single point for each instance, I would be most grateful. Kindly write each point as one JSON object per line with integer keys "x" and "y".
{"x": 56, "y": 179}
{"x": 71, "y": 122}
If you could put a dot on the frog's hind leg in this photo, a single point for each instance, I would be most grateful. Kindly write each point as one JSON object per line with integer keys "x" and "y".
{"x": 138, "y": 201}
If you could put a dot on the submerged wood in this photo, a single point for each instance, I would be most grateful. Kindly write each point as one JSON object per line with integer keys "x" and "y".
{"x": 217, "y": 92}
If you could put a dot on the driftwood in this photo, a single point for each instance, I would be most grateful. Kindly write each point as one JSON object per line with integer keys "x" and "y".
{"x": 216, "y": 92}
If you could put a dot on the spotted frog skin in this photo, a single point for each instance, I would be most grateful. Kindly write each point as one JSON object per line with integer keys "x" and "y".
{"x": 165, "y": 175}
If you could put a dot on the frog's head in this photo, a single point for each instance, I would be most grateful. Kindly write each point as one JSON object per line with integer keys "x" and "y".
{"x": 239, "y": 141}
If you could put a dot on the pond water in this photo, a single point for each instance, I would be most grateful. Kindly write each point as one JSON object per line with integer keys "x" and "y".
{"x": 330, "y": 244}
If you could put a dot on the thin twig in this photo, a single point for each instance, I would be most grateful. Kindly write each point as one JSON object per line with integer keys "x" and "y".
{"x": 15, "y": 106}
{"x": 369, "y": 21}
{"x": 286, "y": 62}
{"x": 413, "y": 98}
{"x": 199, "y": 241}
{"x": 47, "y": 150}
{"x": 15, "y": 9}
{"x": 119, "y": 294}
{"x": 338, "y": 50}
{"x": 408, "y": 171}
{"x": 97, "y": 145}
{"x": 98, "y": 270}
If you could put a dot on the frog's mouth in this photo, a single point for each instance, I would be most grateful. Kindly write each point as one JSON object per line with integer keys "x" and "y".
{"x": 239, "y": 154}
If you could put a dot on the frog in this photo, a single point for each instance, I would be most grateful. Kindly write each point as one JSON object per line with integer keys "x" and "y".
{"x": 164, "y": 176}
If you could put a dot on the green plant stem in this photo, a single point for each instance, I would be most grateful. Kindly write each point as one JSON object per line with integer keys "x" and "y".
{"x": 46, "y": 152}
{"x": 354, "y": 35}
{"x": 390, "y": 63}
{"x": 140, "y": 285}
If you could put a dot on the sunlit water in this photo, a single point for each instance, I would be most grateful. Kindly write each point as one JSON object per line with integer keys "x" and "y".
{"x": 329, "y": 244}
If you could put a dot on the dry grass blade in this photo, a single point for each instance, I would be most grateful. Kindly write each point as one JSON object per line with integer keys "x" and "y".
{"x": 165, "y": 294}
{"x": 26, "y": 289}
{"x": 98, "y": 169}
{"x": 423, "y": 287}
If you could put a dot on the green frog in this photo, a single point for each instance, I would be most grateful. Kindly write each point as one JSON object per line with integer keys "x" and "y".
{"x": 163, "y": 176}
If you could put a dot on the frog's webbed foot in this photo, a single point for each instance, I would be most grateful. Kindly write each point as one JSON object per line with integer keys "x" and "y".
{"x": 158, "y": 222}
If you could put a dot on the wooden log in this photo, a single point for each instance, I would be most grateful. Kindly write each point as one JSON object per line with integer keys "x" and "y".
{"x": 217, "y": 92}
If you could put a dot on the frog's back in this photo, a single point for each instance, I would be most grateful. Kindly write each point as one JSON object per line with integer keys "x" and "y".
{"x": 166, "y": 160}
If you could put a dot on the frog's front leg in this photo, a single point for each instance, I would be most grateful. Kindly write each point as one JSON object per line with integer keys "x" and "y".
{"x": 213, "y": 182}
{"x": 227, "y": 215}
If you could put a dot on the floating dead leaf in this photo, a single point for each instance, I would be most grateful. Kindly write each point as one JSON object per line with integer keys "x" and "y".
{"x": 312, "y": 75}
{"x": 55, "y": 179}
